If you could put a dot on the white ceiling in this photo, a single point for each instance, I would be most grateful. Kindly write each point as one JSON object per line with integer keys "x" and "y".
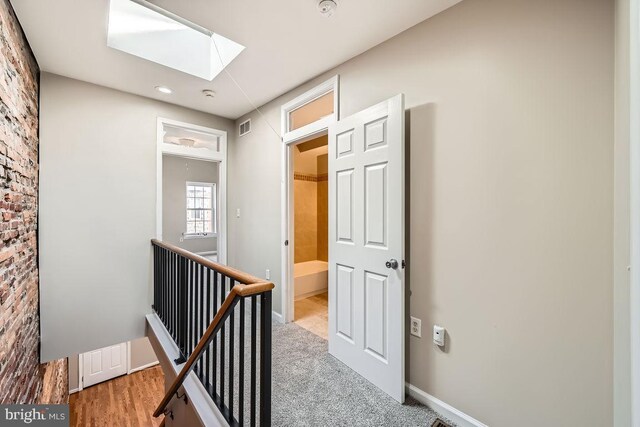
{"x": 287, "y": 43}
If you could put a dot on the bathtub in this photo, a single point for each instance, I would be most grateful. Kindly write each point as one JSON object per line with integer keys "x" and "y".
{"x": 310, "y": 278}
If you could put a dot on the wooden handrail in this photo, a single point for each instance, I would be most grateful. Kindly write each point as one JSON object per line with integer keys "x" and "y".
{"x": 251, "y": 285}
{"x": 236, "y": 275}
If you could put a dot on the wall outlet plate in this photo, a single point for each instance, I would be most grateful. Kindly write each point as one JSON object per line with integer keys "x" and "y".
{"x": 416, "y": 327}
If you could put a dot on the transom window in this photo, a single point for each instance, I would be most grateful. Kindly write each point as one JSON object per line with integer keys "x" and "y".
{"x": 201, "y": 209}
{"x": 313, "y": 110}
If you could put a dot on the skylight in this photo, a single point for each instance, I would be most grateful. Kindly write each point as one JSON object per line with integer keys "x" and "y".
{"x": 144, "y": 30}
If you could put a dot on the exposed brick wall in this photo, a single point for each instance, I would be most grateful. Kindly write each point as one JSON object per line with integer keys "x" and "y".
{"x": 21, "y": 376}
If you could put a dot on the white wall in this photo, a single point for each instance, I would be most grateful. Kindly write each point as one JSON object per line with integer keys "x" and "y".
{"x": 97, "y": 212}
{"x": 510, "y": 202}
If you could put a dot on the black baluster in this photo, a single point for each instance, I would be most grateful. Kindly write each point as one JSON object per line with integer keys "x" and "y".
{"x": 231, "y": 353}
{"x": 201, "y": 311}
{"x": 265, "y": 359}
{"x": 252, "y": 401}
{"x": 207, "y": 323}
{"x": 182, "y": 313}
{"x": 214, "y": 354}
{"x": 222, "y": 341}
{"x": 241, "y": 366}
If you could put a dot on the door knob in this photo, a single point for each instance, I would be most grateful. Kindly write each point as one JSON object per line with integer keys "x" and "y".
{"x": 392, "y": 263}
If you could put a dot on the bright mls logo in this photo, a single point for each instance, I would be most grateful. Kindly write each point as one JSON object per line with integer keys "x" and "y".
{"x": 36, "y": 415}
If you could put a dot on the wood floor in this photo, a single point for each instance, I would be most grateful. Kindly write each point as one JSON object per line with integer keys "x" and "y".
{"x": 126, "y": 401}
{"x": 313, "y": 314}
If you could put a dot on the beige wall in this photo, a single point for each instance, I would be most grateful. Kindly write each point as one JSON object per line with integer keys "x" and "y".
{"x": 310, "y": 198}
{"x": 323, "y": 208}
{"x": 621, "y": 307}
{"x": 510, "y": 202}
{"x": 98, "y": 211}
{"x": 305, "y": 196}
{"x": 176, "y": 171}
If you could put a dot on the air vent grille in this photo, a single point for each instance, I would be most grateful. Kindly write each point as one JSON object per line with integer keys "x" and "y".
{"x": 439, "y": 423}
{"x": 245, "y": 127}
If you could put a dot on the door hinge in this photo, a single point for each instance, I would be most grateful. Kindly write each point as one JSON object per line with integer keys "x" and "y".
{"x": 286, "y": 243}
{"x": 404, "y": 264}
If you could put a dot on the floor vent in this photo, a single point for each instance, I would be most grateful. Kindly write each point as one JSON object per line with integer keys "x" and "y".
{"x": 439, "y": 423}
{"x": 245, "y": 127}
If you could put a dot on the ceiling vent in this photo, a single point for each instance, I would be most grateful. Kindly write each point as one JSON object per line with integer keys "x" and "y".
{"x": 245, "y": 127}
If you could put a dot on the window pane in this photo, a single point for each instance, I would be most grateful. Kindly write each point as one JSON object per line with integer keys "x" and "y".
{"x": 199, "y": 227}
{"x": 207, "y": 227}
{"x": 312, "y": 111}
{"x": 207, "y": 192}
{"x": 191, "y": 227}
{"x": 207, "y": 203}
{"x": 191, "y": 203}
{"x": 191, "y": 192}
{"x": 199, "y": 191}
{"x": 207, "y": 215}
{"x": 199, "y": 203}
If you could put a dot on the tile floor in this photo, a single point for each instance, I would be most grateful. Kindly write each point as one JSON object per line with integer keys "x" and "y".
{"x": 313, "y": 314}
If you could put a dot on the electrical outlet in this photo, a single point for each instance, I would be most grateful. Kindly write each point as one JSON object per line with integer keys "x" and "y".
{"x": 416, "y": 327}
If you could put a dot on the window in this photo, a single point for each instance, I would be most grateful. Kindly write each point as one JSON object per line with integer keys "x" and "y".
{"x": 311, "y": 111}
{"x": 154, "y": 34}
{"x": 201, "y": 209}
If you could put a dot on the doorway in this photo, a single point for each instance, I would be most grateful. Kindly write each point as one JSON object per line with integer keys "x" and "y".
{"x": 366, "y": 230}
{"x": 311, "y": 235}
{"x": 191, "y": 188}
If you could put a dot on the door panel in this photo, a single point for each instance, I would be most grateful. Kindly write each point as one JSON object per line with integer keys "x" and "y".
{"x": 344, "y": 302}
{"x": 366, "y": 229}
{"x": 104, "y": 364}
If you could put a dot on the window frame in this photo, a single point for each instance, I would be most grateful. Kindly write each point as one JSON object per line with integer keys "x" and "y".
{"x": 332, "y": 84}
{"x": 214, "y": 211}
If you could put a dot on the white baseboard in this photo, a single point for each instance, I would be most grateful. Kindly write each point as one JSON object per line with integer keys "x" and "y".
{"x": 277, "y": 317}
{"x": 140, "y": 368}
{"x": 75, "y": 390}
{"x": 442, "y": 408}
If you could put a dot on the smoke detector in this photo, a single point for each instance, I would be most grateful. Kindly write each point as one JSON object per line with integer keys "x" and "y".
{"x": 209, "y": 93}
{"x": 327, "y": 7}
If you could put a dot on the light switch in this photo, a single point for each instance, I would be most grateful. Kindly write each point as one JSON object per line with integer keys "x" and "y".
{"x": 438, "y": 335}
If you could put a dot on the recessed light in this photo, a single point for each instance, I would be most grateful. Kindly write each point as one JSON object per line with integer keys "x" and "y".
{"x": 163, "y": 89}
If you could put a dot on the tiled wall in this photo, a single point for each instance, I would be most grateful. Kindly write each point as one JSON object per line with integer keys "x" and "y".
{"x": 323, "y": 208}
{"x": 305, "y": 218}
{"x": 310, "y": 213}
{"x": 21, "y": 375}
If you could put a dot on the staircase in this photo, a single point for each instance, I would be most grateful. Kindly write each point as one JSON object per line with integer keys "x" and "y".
{"x": 211, "y": 328}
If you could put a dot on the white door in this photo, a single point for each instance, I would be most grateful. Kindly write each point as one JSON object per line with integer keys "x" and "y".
{"x": 104, "y": 364}
{"x": 366, "y": 244}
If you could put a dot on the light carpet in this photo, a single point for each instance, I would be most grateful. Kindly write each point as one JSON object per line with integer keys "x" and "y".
{"x": 312, "y": 388}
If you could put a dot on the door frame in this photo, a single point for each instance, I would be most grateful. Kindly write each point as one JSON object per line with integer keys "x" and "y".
{"x": 289, "y": 139}
{"x": 219, "y": 157}
{"x": 634, "y": 185}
